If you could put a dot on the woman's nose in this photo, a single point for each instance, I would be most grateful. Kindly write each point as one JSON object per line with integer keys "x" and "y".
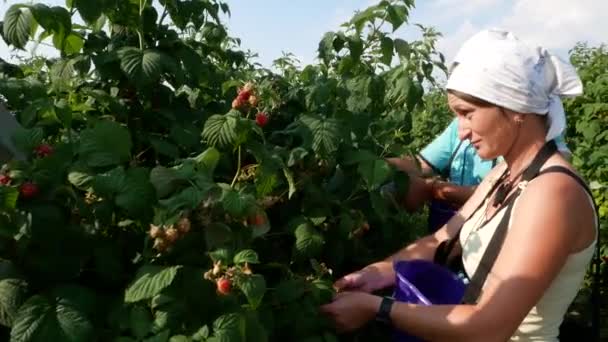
{"x": 464, "y": 132}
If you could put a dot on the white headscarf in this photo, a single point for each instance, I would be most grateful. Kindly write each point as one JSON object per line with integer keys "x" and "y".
{"x": 497, "y": 67}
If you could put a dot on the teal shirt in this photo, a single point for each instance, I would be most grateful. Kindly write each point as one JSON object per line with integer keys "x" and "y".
{"x": 467, "y": 167}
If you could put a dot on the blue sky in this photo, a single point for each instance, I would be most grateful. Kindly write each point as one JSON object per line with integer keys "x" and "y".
{"x": 270, "y": 27}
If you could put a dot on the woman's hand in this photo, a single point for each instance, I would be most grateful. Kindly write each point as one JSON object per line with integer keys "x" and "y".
{"x": 371, "y": 278}
{"x": 351, "y": 310}
{"x": 420, "y": 191}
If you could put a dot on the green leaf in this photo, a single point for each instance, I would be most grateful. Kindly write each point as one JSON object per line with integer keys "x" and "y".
{"x": 72, "y": 44}
{"x": 163, "y": 147}
{"x": 8, "y": 197}
{"x": 397, "y": 15}
{"x": 229, "y": 327}
{"x": 246, "y": 256}
{"x": 355, "y": 44}
{"x": 220, "y": 130}
{"x": 140, "y": 321}
{"x": 402, "y": 47}
{"x": 13, "y": 292}
{"x": 81, "y": 180}
{"x": 222, "y": 254}
{"x": 217, "y": 234}
{"x": 180, "y": 338}
{"x": 208, "y": 160}
{"x": 56, "y": 19}
{"x": 110, "y": 183}
{"x": 374, "y": 173}
{"x": 89, "y": 10}
{"x": 26, "y": 140}
{"x": 163, "y": 336}
{"x": 164, "y": 180}
{"x": 414, "y": 95}
{"x": 141, "y": 67}
{"x": 17, "y": 26}
{"x": 309, "y": 242}
{"x": 106, "y": 144}
{"x": 292, "y": 184}
{"x": 254, "y": 288}
{"x": 138, "y": 195}
{"x": 326, "y": 47}
{"x": 149, "y": 282}
{"x": 236, "y": 203}
{"x": 325, "y": 132}
{"x": 386, "y": 47}
{"x": 51, "y": 319}
{"x": 296, "y": 155}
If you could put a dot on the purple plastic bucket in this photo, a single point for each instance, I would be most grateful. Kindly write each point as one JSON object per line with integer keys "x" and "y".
{"x": 425, "y": 283}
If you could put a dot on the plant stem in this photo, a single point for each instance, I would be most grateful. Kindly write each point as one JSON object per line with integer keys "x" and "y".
{"x": 238, "y": 168}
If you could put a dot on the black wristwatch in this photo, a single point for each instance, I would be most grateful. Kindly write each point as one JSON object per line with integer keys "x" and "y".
{"x": 384, "y": 312}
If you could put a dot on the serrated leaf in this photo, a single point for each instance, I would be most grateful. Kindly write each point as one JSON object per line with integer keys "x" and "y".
{"x": 296, "y": 155}
{"x": 141, "y": 67}
{"x": 208, "y": 160}
{"x": 386, "y": 47}
{"x": 150, "y": 281}
{"x": 164, "y": 180}
{"x": 202, "y": 334}
{"x": 222, "y": 254}
{"x": 110, "y": 183}
{"x": 89, "y": 10}
{"x": 13, "y": 292}
{"x": 309, "y": 242}
{"x": 374, "y": 173}
{"x": 402, "y": 47}
{"x": 246, "y": 256}
{"x": 254, "y": 288}
{"x": 137, "y": 196}
{"x": 236, "y": 203}
{"x": 106, "y": 144}
{"x": 26, "y": 140}
{"x": 397, "y": 15}
{"x": 8, "y": 197}
{"x": 51, "y": 319}
{"x": 81, "y": 180}
{"x": 325, "y": 133}
{"x": 162, "y": 336}
{"x": 292, "y": 184}
{"x": 229, "y": 327}
{"x": 18, "y": 21}
{"x": 220, "y": 130}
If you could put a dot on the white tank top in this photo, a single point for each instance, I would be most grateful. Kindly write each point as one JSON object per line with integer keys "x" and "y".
{"x": 543, "y": 321}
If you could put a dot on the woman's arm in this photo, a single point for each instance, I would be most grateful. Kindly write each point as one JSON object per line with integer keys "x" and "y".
{"x": 457, "y": 195}
{"x": 541, "y": 237}
{"x": 380, "y": 274}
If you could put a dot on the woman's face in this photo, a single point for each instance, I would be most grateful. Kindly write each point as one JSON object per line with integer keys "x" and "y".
{"x": 490, "y": 129}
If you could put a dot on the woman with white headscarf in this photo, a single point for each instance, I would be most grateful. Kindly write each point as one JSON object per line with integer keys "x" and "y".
{"x": 526, "y": 236}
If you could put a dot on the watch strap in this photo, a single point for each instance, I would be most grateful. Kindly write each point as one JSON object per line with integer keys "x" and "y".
{"x": 384, "y": 311}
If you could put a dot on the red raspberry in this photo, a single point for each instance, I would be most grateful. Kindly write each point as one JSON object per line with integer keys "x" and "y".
{"x": 261, "y": 119}
{"x": 28, "y": 190}
{"x": 5, "y": 179}
{"x": 224, "y": 286}
{"x": 244, "y": 95}
{"x": 43, "y": 150}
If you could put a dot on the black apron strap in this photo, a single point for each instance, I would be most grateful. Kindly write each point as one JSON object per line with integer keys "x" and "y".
{"x": 490, "y": 255}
